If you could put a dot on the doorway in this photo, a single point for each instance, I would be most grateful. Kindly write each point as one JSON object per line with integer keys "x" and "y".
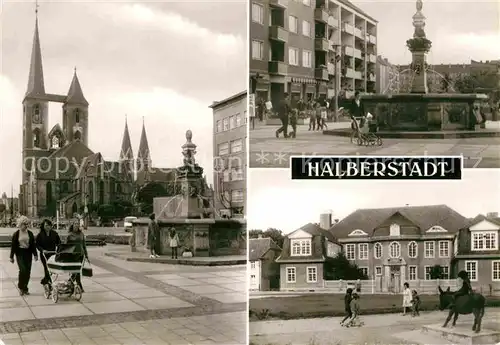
{"x": 395, "y": 283}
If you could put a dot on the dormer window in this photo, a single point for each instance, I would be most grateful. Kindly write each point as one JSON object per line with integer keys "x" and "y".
{"x": 300, "y": 247}
{"x": 55, "y": 142}
{"x": 395, "y": 230}
{"x": 77, "y": 116}
{"x": 485, "y": 240}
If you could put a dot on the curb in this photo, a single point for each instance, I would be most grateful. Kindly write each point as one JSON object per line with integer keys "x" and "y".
{"x": 187, "y": 262}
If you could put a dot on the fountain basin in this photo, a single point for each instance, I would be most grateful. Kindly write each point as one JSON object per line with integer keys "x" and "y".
{"x": 427, "y": 112}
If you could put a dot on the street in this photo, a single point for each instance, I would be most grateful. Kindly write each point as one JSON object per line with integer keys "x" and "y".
{"x": 128, "y": 303}
{"x": 267, "y": 151}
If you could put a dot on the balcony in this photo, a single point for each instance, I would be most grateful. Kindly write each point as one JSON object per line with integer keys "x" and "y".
{"x": 358, "y": 75}
{"x": 277, "y": 33}
{"x": 333, "y": 22}
{"x": 331, "y": 68}
{"x": 358, "y": 33}
{"x": 357, "y": 53}
{"x": 321, "y": 73}
{"x": 321, "y": 15}
{"x": 278, "y": 68}
{"x": 372, "y": 58}
{"x": 348, "y": 28}
{"x": 372, "y": 39}
{"x": 334, "y": 41}
{"x": 278, "y": 3}
{"x": 321, "y": 44}
{"x": 349, "y": 51}
{"x": 349, "y": 73}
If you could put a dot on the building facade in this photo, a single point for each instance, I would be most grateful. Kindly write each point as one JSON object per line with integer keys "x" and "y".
{"x": 387, "y": 77}
{"x": 264, "y": 272}
{"x": 303, "y": 256}
{"x": 230, "y": 163}
{"x": 299, "y": 47}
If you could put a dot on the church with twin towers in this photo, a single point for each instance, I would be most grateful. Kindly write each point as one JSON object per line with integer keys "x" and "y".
{"x": 60, "y": 171}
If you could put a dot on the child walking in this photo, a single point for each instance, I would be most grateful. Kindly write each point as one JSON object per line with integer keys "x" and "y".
{"x": 347, "y": 304}
{"x": 415, "y": 303}
{"x": 354, "y": 321}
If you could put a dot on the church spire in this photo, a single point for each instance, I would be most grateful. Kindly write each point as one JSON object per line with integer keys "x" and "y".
{"x": 143, "y": 155}
{"x": 126, "y": 153}
{"x": 75, "y": 93}
{"x": 36, "y": 85}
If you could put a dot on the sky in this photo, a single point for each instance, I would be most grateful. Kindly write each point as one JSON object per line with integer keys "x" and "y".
{"x": 165, "y": 62}
{"x": 459, "y": 30}
{"x": 275, "y": 201}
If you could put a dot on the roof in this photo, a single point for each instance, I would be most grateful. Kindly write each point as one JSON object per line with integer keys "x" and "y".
{"x": 479, "y": 218}
{"x": 143, "y": 153}
{"x": 156, "y": 175}
{"x": 357, "y": 9}
{"x": 316, "y": 230}
{"x": 126, "y": 150}
{"x": 257, "y": 247}
{"x": 55, "y": 129}
{"x": 36, "y": 84}
{"x": 76, "y": 150}
{"x": 233, "y": 98}
{"x": 75, "y": 93}
{"x": 423, "y": 217}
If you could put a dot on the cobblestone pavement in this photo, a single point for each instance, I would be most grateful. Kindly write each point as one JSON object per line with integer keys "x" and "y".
{"x": 267, "y": 151}
{"x": 377, "y": 329}
{"x": 128, "y": 303}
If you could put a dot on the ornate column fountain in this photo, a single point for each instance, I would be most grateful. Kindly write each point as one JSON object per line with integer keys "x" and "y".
{"x": 419, "y": 46}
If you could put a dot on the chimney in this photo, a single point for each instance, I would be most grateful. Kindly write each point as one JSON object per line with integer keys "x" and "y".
{"x": 492, "y": 214}
{"x": 325, "y": 220}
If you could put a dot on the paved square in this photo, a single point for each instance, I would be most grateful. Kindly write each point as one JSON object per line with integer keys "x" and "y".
{"x": 267, "y": 151}
{"x": 128, "y": 303}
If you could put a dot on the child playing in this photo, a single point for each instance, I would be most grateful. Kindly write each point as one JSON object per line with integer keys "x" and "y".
{"x": 354, "y": 321}
{"x": 347, "y": 304}
{"x": 415, "y": 303}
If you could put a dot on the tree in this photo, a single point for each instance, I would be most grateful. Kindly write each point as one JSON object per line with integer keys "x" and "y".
{"x": 436, "y": 272}
{"x": 275, "y": 234}
{"x": 2, "y": 208}
{"x": 340, "y": 268}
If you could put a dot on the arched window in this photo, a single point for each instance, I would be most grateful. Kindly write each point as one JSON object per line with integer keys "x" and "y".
{"x": 77, "y": 115}
{"x": 395, "y": 250}
{"x": 377, "y": 250}
{"x": 36, "y": 114}
{"x": 78, "y": 135}
{"x": 55, "y": 142}
{"x": 101, "y": 192}
{"x": 36, "y": 138}
{"x": 90, "y": 192}
{"x": 412, "y": 249}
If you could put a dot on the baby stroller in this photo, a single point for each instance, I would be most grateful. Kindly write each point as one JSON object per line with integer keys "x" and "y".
{"x": 67, "y": 260}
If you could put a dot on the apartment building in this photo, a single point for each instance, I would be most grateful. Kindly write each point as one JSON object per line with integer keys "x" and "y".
{"x": 229, "y": 145}
{"x": 299, "y": 46}
{"x": 387, "y": 77}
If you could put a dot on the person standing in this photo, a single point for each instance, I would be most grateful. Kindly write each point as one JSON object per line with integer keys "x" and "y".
{"x": 283, "y": 113}
{"x": 294, "y": 116}
{"x": 77, "y": 238}
{"x": 174, "y": 242}
{"x": 47, "y": 240}
{"x": 23, "y": 248}
{"x": 357, "y": 108}
{"x": 407, "y": 298}
{"x": 347, "y": 306}
{"x": 153, "y": 236}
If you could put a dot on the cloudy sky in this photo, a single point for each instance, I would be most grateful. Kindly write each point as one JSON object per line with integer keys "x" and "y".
{"x": 275, "y": 201}
{"x": 164, "y": 61}
{"x": 459, "y": 30}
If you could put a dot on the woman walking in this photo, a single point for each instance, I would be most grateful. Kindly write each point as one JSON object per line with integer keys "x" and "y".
{"x": 407, "y": 298}
{"x": 23, "y": 248}
{"x": 77, "y": 238}
{"x": 47, "y": 240}
{"x": 174, "y": 242}
{"x": 153, "y": 237}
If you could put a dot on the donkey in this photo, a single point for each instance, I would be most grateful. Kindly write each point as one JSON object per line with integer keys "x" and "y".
{"x": 473, "y": 303}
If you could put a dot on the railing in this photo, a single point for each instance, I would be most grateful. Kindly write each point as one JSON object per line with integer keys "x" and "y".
{"x": 370, "y": 286}
{"x": 321, "y": 15}
{"x": 278, "y": 67}
{"x": 278, "y": 33}
{"x": 357, "y": 53}
{"x": 332, "y": 21}
{"x": 346, "y": 27}
{"x": 321, "y": 44}
{"x": 358, "y": 75}
{"x": 372, "y": 39}
{"x": 358, "y": 32}
{"x": 349, "y": 51}
{"x": 372, "y": 58}
{"x": 321, "y": 73}
{"x": 349, "y": 73}
{"x": 279, "y": 3}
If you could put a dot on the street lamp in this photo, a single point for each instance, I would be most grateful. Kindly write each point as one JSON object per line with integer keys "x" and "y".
{"x": 85, "y": 192}
{"x": 336, "y": 70}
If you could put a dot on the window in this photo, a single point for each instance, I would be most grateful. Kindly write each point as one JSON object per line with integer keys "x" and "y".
{"x": 306, "y": 28}
{"x": 36, "y": 138}
{"x": 395, "y": 250}
{"x": 446, "y": 272}
{"x": 395, "y": 230}
{"x": 444, "y": 249}
{"x": 227, "y": 175}
{"x": 237, "y": 195}
{"x": 77, "y": 116}
{"x": 225, "y": 124}
{"x": 412, "y": 273}
{"x": 238, "y": 120}
{"x": 364, "y": 270}
{"x": 293, "y": 56}
{"x": 219, "y": 126}
{"x": 301, "y": 247}
{"x": 252, "y": 264}
{"x": 484, "y": 240}
{"x": 378, "y": 270}
{"x": 257, "y": 50}
{"x": 350, "y": 251}
{"x": 223, "y": 149}
{"x": 377, "y": 251}
{"x": 236, "y": 146}
{"x": 495, "y": 270}
{"x": 312, "y": 274}
{"x": 412, "y": 249}
{"x": 363, "y": 251}
{"x": 292, "y": 24}
{"x": 427, "y": 272}
{"x": 306, "y": 58}
{"x": 237, "y": 174}
{"x": 257, "y": 13}
{"x": 252, "y": 277}
{"x": 55, "y": 142}
{"x": 232, "y": 122}
{"x": 471, "y": 269}
{"x": 429, "y": 249}
{"x": 291, "y": 275}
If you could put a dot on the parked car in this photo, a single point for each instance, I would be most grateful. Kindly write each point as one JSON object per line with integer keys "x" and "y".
{"x": 127, "y": 223}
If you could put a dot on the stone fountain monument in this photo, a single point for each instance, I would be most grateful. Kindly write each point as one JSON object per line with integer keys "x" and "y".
{"x": 419, "y": 114}
{"x": 191, "y": 213}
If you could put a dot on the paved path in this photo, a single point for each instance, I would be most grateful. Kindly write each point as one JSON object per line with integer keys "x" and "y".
{"x": 378, "y": 329}
{"x": 266, "y": 151}
{"x": 128, "y": 303}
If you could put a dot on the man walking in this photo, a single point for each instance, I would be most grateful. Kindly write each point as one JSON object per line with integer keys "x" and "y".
{"x": 283, "y": 113}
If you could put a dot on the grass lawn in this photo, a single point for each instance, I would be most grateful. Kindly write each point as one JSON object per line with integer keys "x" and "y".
{"x": 328, "y": 305}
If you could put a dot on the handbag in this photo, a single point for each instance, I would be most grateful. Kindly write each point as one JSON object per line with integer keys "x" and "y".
{"x": 87, "y": 269}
